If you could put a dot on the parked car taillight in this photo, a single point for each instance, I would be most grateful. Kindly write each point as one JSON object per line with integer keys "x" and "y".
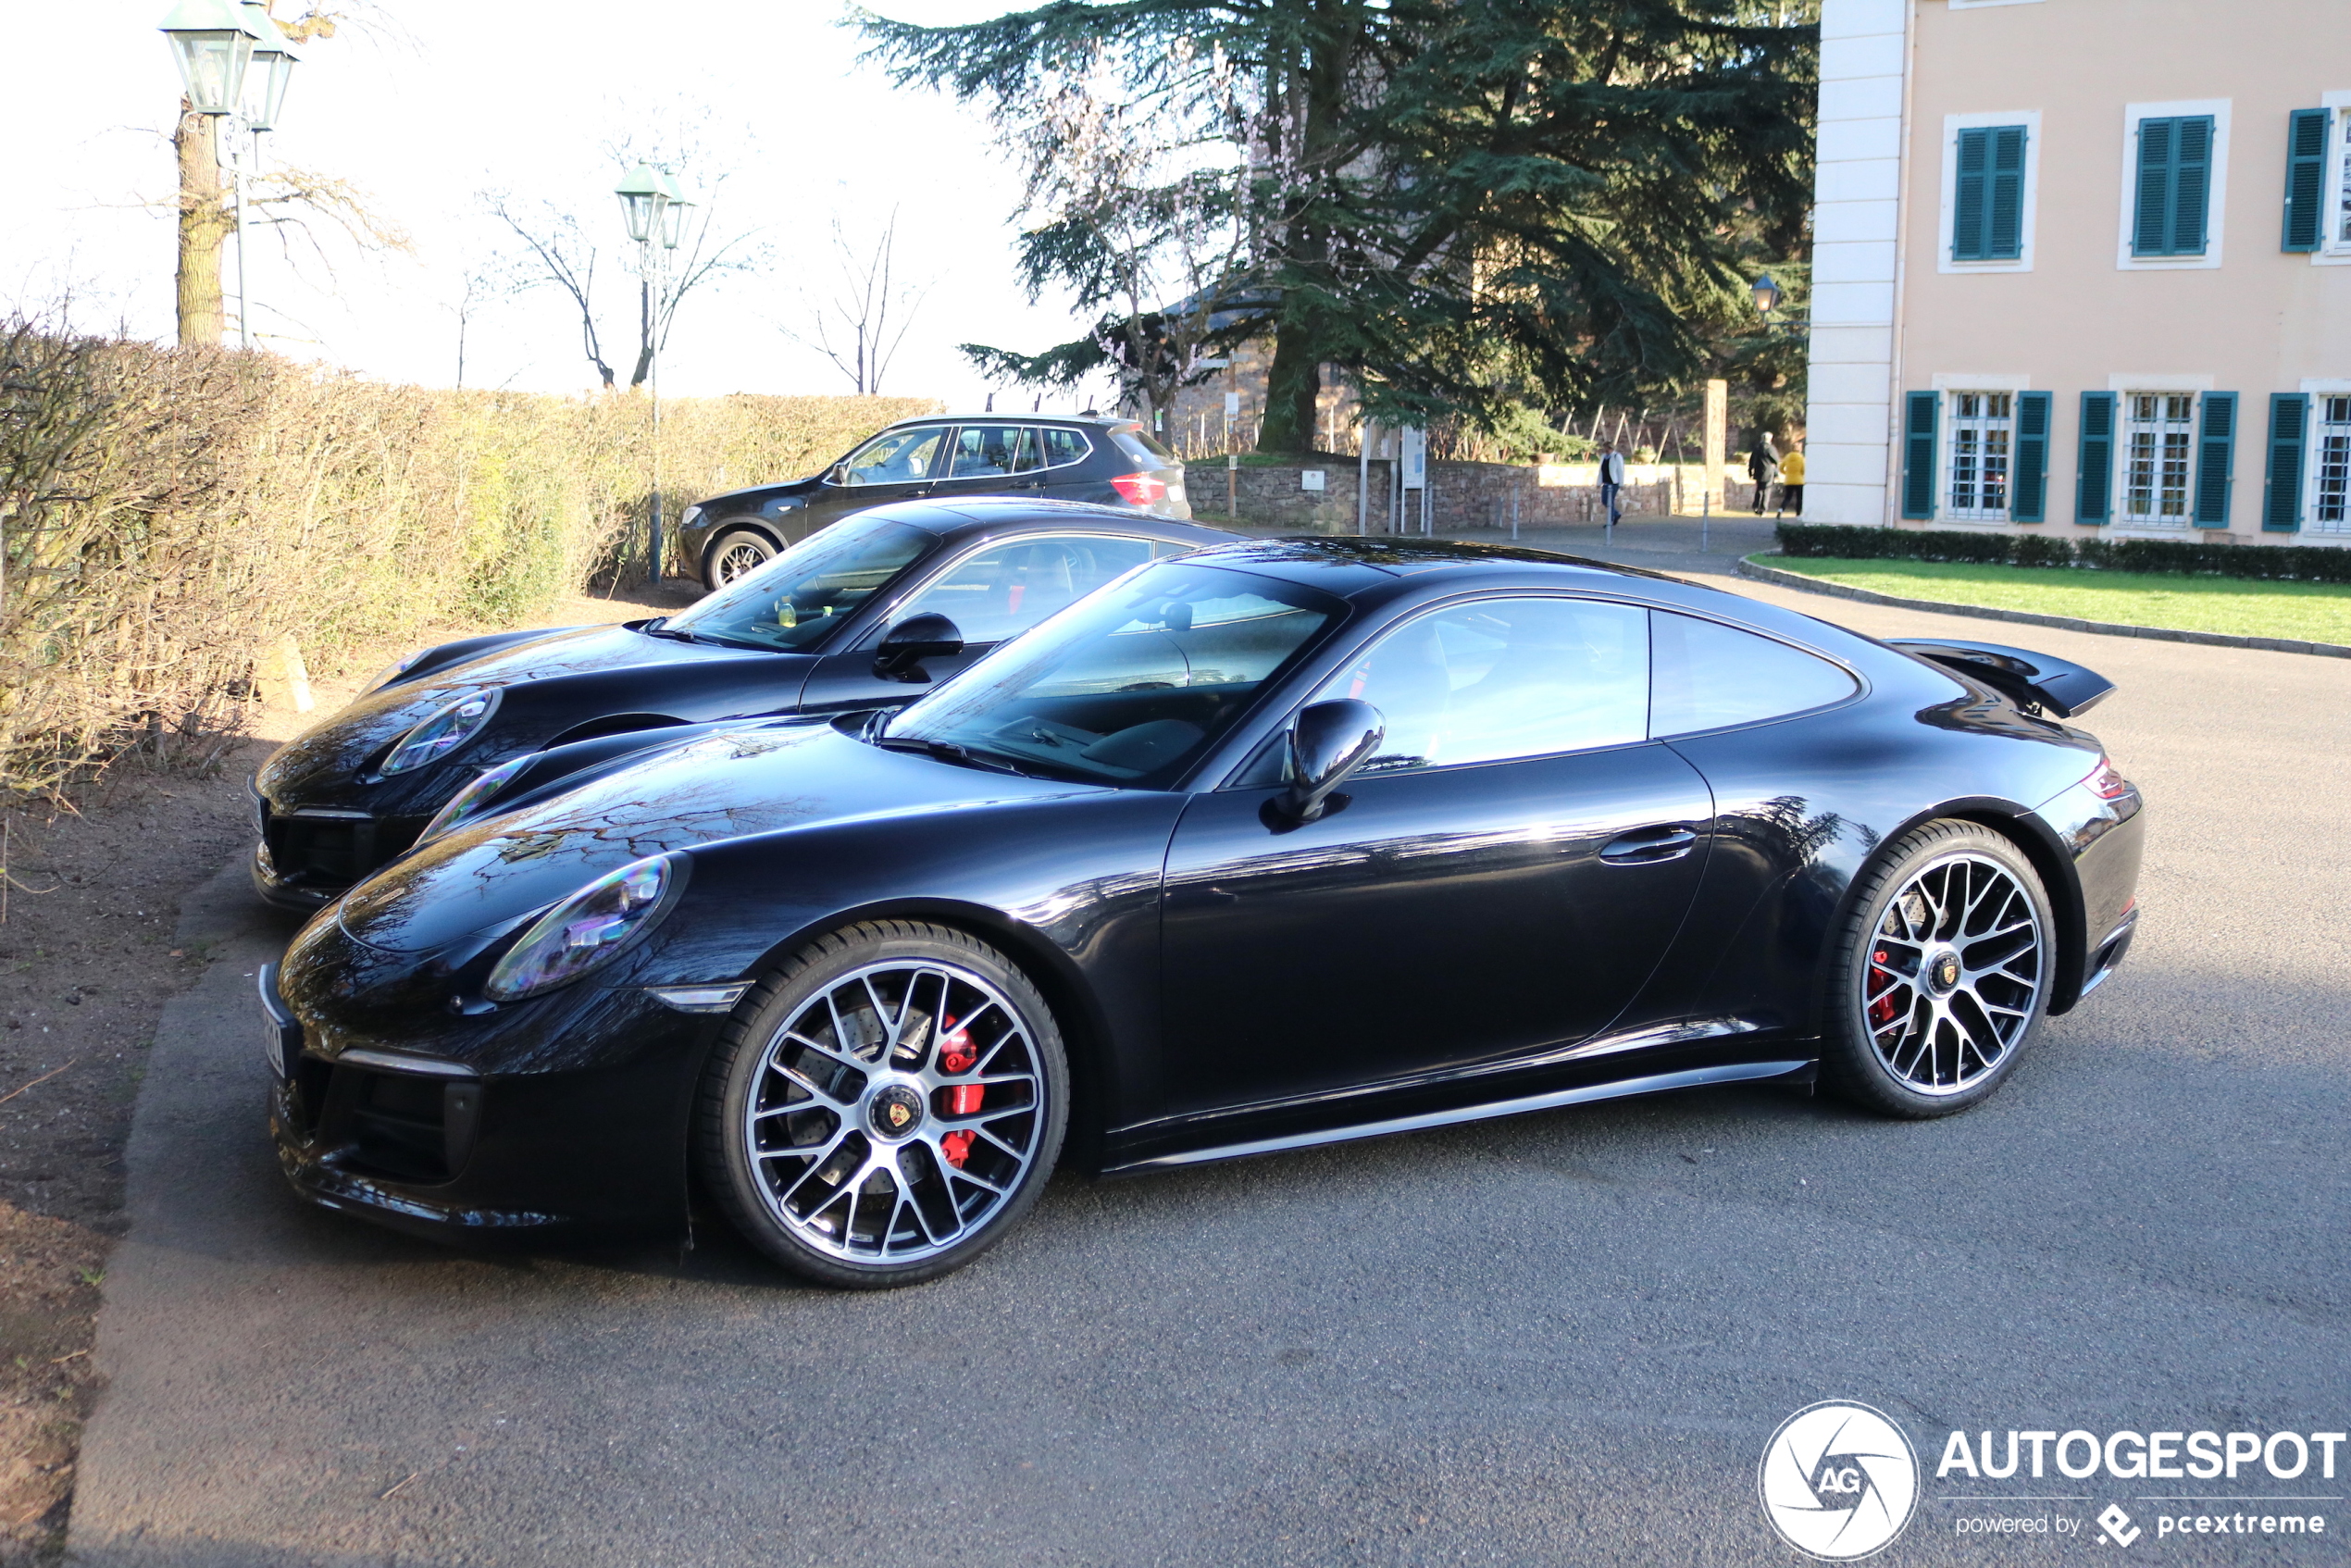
{"x": 1141, "y": 490}
{"x": 2107, "y": 782}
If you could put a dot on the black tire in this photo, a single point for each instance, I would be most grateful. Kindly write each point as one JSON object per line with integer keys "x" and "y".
{"x": 794, "y": 1133}
{"x": 737, "y": 552}
{"x": 1942, "y": 974}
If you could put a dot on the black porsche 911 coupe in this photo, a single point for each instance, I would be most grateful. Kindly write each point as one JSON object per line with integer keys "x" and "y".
{"x": 862, "y": 615}
{"x": 1272, "y": 845}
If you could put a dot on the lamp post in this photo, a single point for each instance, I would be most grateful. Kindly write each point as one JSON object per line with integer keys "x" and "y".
{"x": 215, "y": 44}
{"x": 654, "y": 207}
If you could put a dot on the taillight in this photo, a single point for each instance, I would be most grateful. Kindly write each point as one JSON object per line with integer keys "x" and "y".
{"x": 2107, "y": 782}
{"x": 1141, "y": 490}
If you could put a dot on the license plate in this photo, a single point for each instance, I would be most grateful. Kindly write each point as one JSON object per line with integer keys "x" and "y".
{"x": 273, "y": 1044}
{"x": 274, "y": 1029}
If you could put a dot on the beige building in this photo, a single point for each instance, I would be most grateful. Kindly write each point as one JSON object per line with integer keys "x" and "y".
{"x": 2082, "y": 268}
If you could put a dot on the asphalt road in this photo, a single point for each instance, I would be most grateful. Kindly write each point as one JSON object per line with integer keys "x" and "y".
{"x": 1564, "y": 1338}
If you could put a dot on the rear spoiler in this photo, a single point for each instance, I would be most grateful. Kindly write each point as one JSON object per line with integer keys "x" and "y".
{"x": 2035, "y": 680}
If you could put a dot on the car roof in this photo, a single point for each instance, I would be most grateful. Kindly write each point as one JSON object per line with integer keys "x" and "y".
{"x": 1371, "y": 570}
{"x": 995, "y": 514}
{"x": 1091, "y": 421}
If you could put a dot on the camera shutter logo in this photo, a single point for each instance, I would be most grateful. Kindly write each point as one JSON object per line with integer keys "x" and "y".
{"x": 1838, "y": 1481}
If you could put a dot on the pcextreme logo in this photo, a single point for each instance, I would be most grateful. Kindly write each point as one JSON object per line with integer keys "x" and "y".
{"x": 1838, "y": 1481}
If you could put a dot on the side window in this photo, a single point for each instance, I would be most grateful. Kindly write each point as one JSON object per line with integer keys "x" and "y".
{"x": 988, "y": 452}
{"x": 1705, "y": 675}
{"x": 1504, "y": 678}
{"x": 1062, "y": 445}
{"x": 1005, "y": 589}
{"x": 895, "y": 456}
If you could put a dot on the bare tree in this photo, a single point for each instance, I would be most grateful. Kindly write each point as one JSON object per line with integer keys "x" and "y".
{"x": 555, "y": 250}
{"x": 556, "y": 253}
{"x": 861, "y": 323}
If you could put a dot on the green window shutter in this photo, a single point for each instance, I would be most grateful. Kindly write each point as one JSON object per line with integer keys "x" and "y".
{"x": 2094, "y": 485}
{"x": 2191, "y": 184}
{"x": 1971, "y": 195}
{"x": 1923, "y": 409}
{"x": 2306, "y": 179}
{"x": 2215, "y": 460}
{"x": 2029, "y": 488}
{"x": 2004, "y": 216}
{"x": 2289, "y": 419}
{"x": 2151, "y": 223}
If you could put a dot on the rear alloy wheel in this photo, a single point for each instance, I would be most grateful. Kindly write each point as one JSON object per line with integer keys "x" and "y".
{"x": 891, "y": 1103}
{"x": 739, "y": 553}
{"x": 1944, "y": 973}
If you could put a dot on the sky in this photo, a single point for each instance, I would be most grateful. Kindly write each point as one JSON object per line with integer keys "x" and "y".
{"x": 423, "y": 105}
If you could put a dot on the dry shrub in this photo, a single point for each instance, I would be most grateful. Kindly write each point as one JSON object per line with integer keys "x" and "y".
{"x": 165, "y": 513}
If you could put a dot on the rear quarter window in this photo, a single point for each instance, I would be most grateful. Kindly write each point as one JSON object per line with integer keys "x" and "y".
{"x": 1062, "y": 445}
{"x": 1707, "y": 675}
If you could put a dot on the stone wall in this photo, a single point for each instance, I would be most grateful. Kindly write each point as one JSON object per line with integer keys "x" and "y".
{"x": 1461, "y": 496}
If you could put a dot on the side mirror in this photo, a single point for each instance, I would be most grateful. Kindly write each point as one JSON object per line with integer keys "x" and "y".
{"x": 1327, "y": 742}
{"x": 901, "y": 653}
{"x": 836, "y": 475}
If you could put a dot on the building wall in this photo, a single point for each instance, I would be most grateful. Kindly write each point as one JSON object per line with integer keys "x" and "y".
{"x": 2077, "y": 312}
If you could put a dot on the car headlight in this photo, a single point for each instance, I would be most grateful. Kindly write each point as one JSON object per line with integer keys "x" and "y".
{"x": 473, "y": 800}
{"x": 449, "y": 728}
{"x": 393, "y": 671}
{"x": 589, "y": 928}
{"x": 690, "y": 516}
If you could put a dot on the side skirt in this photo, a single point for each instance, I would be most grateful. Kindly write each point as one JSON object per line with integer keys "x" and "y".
{"x": 1698, "y": 1078}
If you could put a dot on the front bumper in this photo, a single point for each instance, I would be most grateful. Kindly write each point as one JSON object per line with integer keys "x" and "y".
{"x": 448, "y": 1149}
{"x": 304, "y": 858}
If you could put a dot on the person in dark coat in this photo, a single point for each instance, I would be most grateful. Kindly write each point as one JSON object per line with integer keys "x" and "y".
{"x": 1764, "y": 468}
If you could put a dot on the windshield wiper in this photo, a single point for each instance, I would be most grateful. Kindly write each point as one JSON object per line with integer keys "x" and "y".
{"x": 705, "y": 639}
{"x": 945, "y": 751}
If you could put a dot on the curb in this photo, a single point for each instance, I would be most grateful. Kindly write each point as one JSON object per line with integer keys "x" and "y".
{"x": 1746, "y": 567}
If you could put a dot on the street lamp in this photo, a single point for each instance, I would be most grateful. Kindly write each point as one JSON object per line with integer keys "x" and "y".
{"x": 642, "y": 194}
{"x": 212, "y": 46}
{"x": 1768, "y": 295}
{"x": 673, "y": 212}
{"x": 275, "y": 55}
{"x": 655, "y": 206}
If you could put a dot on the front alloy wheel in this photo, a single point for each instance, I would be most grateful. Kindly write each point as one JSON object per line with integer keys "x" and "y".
{"x": 891, "y": 1104}
{"x": 1945, "y": 975}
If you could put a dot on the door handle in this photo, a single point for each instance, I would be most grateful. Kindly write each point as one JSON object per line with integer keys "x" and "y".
{"x": 1646, "y": 846}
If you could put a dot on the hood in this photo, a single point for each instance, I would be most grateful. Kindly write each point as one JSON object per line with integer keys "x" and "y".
{"x": 550, "y": 684}
{"x": 752, "y": 497}
{"x": 795, "y": 776}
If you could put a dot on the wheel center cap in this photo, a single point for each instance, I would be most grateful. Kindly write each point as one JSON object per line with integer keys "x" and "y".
{"x": 1943, "y": 972}
{"x": 894, "y": 1112}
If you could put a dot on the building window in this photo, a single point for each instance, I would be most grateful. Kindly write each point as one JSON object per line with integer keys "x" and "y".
{"x": 2331, "y": 489}
{"x": 2174, "y": 186}
{"x": 1982, "y": 431}
{"x": 2341, "y": 207}
{"x": 1988, "y": 199}
{"x": 2158, "y": 441}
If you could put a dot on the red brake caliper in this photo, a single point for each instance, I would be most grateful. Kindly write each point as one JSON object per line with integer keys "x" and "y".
{"x": 1882, "y": 1010}
{"x": 956, "y": 1055}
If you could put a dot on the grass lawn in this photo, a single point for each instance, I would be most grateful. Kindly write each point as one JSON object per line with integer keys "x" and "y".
{"x": 2310, "y": 611}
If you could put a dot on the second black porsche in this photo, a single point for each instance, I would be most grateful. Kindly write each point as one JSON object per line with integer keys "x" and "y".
{"x": 1267, "y": 846}
{"x": 862, "y": 615}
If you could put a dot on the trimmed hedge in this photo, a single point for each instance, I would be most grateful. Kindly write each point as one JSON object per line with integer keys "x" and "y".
{"x": 2281, "y": 563}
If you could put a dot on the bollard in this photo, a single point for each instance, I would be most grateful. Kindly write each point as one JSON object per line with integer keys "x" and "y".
{"x": 1705, "y": 519}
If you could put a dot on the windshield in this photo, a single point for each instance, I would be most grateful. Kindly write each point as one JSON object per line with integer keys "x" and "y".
{"x": 795, "y": 599}
{"x": 1130, "y": 686}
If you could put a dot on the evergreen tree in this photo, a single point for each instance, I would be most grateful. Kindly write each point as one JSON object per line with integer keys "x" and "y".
{"x": 1461, "y": 205}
